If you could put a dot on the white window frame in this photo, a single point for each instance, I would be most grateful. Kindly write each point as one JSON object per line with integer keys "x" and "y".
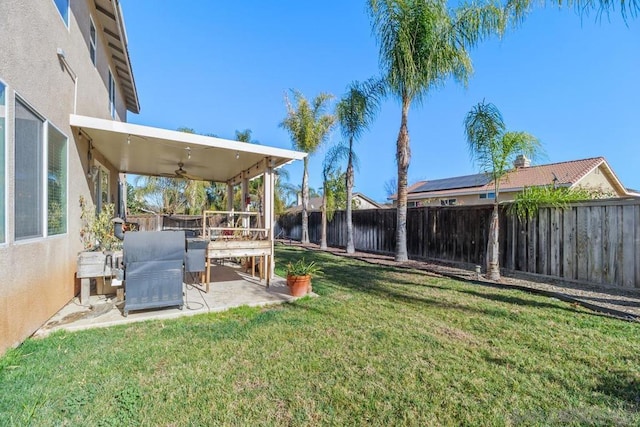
{"x": 93, "y": 43}
{"x": 486, "y": 195}
{"x": 45, "y": 165}
{"x": 112, "y": 95}
{"x": 44, "y": 169}
{"x": 66, "y": 23}
{"x": 448, "y": 202}
{"x": 101, "y": 169}
{"x": 5, "y": 131}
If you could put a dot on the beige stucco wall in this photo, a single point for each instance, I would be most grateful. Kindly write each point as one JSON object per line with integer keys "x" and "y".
{"x": 466, "y": 200}
{"x": 598, "y": 180}
{"x": 37, "y": 276}
{"x": 361, "y": 203}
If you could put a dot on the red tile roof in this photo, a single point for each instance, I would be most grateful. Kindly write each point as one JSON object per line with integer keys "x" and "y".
{"x": 566, "y": 174}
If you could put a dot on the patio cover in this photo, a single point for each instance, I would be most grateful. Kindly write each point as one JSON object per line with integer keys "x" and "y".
{"x": 144, "y": 150}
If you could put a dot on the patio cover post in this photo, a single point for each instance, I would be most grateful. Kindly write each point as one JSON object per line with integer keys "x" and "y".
{"x": 245, "y": 201}
{"x": 268, "y": 209}
{"x": 229, "y": 196}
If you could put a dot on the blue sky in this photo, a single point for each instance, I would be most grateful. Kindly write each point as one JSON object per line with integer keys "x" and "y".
{"x": 218, "y": 67}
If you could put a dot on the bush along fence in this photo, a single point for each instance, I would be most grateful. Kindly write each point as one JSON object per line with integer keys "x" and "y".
{"x": 595, "y": 242}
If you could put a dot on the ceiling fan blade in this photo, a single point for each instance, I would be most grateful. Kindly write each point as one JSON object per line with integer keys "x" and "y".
{"x": 192, "y": 177}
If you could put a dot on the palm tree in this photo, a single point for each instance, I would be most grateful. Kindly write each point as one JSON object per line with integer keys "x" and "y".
{"x": 355, "y": 112}
{"x": 495, "y": 149}
{"x": 308, "y": 125}
{"x": 628, "y": 8}
{"x": 330, "y": 170}
{"x": 422, "y": 44}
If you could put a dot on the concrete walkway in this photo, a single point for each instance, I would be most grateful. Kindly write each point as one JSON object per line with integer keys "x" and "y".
{"x": 230, "y": 287}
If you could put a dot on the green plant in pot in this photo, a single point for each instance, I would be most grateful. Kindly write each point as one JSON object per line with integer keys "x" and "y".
{"x": 299, "y": 275}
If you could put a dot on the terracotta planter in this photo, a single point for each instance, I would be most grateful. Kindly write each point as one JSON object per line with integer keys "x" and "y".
{"x": 299, "y": 285}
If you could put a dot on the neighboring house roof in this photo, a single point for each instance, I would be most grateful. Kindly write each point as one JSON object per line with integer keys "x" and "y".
{"x": 315, "y": 203}
{"x": 564, "y": 174}
{"x": 112, "y": 25}
{"x": 367, "y": 199}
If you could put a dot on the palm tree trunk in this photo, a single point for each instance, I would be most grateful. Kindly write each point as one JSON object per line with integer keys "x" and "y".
{"x": 403, "y": 155}
{"x": 493, "y": 246}
{"x": 323, "y": 234}
{"x": 350, "y": 245}
{"x": 305, "y": 202}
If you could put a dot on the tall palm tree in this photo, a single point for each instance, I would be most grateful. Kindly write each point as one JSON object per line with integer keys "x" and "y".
{"x": 355, "y": 112}
{"x": 422, "y": 44}
{"x": 330, "y": 170}
{"x": 494, "y": 149}
{"x": 309, "y": 126}
{"x": 628, "y": 8}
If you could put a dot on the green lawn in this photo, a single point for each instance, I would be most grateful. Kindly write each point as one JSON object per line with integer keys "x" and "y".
{"x": 380, "y": 346}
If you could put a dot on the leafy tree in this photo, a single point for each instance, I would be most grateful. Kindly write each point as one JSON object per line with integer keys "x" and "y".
{"x": 495, "y": 149}
{"x": 309, "y": 126}
{"x": 173, "y": 195}
{"x": 390, "y": 187}
{"x": 527, "y": 202}
{"x": 422, "y": 44}
{"x": 135, "y": 204}
{"x": 355, "y": 112}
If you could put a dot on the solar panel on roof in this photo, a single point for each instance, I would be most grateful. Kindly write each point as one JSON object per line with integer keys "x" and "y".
{"x": 453, "y": 183}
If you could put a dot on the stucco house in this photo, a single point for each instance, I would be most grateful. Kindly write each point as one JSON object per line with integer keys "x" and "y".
{"x": 360, "y": 201}
{"x": 478, "y": 189}
{"x": 66, "y": 87}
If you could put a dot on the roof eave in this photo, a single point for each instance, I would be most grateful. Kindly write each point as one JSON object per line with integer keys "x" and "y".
{"x": 110, "y": 15}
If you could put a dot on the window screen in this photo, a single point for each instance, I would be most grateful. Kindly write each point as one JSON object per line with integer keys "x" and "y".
{"x": 28, "y": 173}
{"x": 2, "y": 165}
{"x": 56, "y": 182}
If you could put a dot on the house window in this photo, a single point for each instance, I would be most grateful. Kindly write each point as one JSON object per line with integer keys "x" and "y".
{"x": 31, "y": 165}
{"x": 63, "y": 8}
{"x": 29, "y": 137}
{"x": 92, "y": 41}
{"x": 448, "y": 202}
{"x": 2, "y": 160}
{"x": 112, "y": 96}
{"x": 490, "y": 195}
{"x": 56, "y": 182}
{"x": 101, "y": 189}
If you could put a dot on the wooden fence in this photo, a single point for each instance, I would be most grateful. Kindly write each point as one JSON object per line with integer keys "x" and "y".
{"x": 596, "y": 242}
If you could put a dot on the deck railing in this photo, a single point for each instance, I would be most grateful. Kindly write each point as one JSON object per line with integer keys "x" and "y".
{"x": 232, "y": 225}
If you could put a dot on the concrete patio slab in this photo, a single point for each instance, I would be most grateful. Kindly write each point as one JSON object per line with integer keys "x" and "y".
{"x": 230, "y": 287}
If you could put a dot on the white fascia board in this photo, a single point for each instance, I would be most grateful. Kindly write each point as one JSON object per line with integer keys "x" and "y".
{"x": 125, "y": 128}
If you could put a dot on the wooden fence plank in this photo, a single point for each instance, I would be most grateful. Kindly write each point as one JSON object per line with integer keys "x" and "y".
{"x": 595, "y": 245}
{"x": 628, "y": 250}
{"x": 582, "y": 242}
{"x": 569, "y": 262}
{"x": 543, "y": 241}
{"x": 555, "y": 237}
{"x": 532, "y": 245}
{"x": 610, "y": 244}
{"x": 636, "y": 227}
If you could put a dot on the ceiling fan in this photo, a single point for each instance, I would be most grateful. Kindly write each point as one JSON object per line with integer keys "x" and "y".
{"x": 181, "y": 173}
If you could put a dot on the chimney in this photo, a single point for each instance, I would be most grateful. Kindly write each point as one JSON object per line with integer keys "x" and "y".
{"x": 521, "y": 162}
